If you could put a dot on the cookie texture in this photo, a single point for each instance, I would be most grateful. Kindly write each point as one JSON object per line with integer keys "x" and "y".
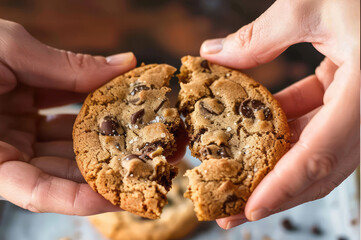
{"x": 122, "y": 135}
{"x": 236, "y": 128}
{"x": 177, "y": 220}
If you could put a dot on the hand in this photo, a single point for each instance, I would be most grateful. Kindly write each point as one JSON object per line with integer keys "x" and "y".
{"x": 323, "y": 109}
{"x": 37, "y": 167}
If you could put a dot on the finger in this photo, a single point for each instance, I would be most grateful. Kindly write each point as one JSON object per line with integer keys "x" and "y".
{"x": 39, "y": 192}
{"x": 24, "y": 123}
{"x": 59, "y": 167}
{"x": 318, "y": 153}
{"x": 20, "y": 140}
{"x": 9, "y": 153}
{"x": 232, "y": 221}
{"x": 55, "y": 127}
{"x": 297, "y": 125}
{"x": 47, "y": 98}
{"x": 19, "y": 101}
{"x": 38, "y": 65}
{"x": 316, "y": 191}
{"x": 323, "y": 187}
{"x": 182, "y": 142}
{"x": 54, "y": 148}
{"x": 267, "y": 37}
{"x": 7, "y": 80}
{"x": 325, "y": 72}
{"x": 301, "y": 97}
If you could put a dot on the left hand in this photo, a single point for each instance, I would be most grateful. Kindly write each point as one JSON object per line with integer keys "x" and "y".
{"x": 37, "y": 167}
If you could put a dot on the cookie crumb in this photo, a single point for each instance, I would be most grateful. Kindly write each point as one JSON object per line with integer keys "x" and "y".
{"x": 316, "y": 230}
{"x": 288, "y": 225}
{"x": 354, "y": 222}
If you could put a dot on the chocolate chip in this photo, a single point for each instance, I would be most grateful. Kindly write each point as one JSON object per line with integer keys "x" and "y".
{"x": 316, "y": 230}
{"x": 231, "y": 198}
{"x": 211, "y": 106}
{"x": 256, "y": 104}
{"x": 245, "y": 110}
{"x": 149, "y": 148}
{"x": 204, "y": 64}
{"x": 160, "y": 105}
{"x": 267, "y": 114}
{"x": 136, "y": 101}
{"x": 248, "y": 107}
{"x": 216, "y": 151}
{"x": 197, "y": 137}
{"x": 136, "y": 117}
{"x": 133, "y": 156}
{"x": 288, "y": 225}
{"x": 206, "y": 151}
{"x": 109, "y": 126}
{"x": 223, "y": 152}
{"x": 138, "y": 88}
{"x": 130, "y": 157}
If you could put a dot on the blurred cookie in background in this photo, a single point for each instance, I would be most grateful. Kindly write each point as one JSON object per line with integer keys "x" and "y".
{"x": 177, "y": 220}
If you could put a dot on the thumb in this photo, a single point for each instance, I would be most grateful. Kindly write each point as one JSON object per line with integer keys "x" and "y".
{"x": 38, "y": 65}
{"x": 285, "y": 23}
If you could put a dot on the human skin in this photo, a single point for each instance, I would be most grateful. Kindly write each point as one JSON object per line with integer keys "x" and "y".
{"x": 323, "y": 109}
{"x": 38, "y": 170}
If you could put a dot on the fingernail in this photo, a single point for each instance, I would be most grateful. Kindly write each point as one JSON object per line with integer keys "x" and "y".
{"x": 259, "y": 214}
{"x": 120, "y": 59}
{"x": 212, "y": 46}
{"x": 235, "y": 223}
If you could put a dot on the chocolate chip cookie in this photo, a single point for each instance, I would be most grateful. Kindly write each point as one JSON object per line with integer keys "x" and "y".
{"x": 177, "y": 220}
{"x": 236, "y": 128}
{"x": 122, "y": 135}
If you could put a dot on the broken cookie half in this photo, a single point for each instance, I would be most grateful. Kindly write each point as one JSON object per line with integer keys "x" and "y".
{"x": 236, "y": 128}
{"x": 122, "y": 136}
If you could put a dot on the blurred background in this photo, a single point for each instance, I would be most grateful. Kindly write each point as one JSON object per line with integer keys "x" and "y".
{"x": 157, "y": 31}
{"x": 162, "y": 31}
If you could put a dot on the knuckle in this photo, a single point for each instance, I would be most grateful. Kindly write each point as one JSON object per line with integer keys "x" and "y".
{"x": 245, "y": 35}
{"x": 10, "y": 32}
{"x": 75, "y": 64}
{"x": 38, "y": 191}
{"x": 246, "y": 41}
{"x": 16, "y": 28}
{"x": 320, "y": 165}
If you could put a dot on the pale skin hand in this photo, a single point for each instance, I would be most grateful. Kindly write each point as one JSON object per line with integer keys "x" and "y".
{"x": 37, "y": 167}
{"x": 323, "y": 109}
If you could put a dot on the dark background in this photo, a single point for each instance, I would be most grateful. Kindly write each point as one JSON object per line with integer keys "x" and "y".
{"x": 157, "y": 31}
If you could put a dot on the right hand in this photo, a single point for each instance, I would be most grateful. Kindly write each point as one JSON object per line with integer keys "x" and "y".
{"x": 324, "y": 109}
